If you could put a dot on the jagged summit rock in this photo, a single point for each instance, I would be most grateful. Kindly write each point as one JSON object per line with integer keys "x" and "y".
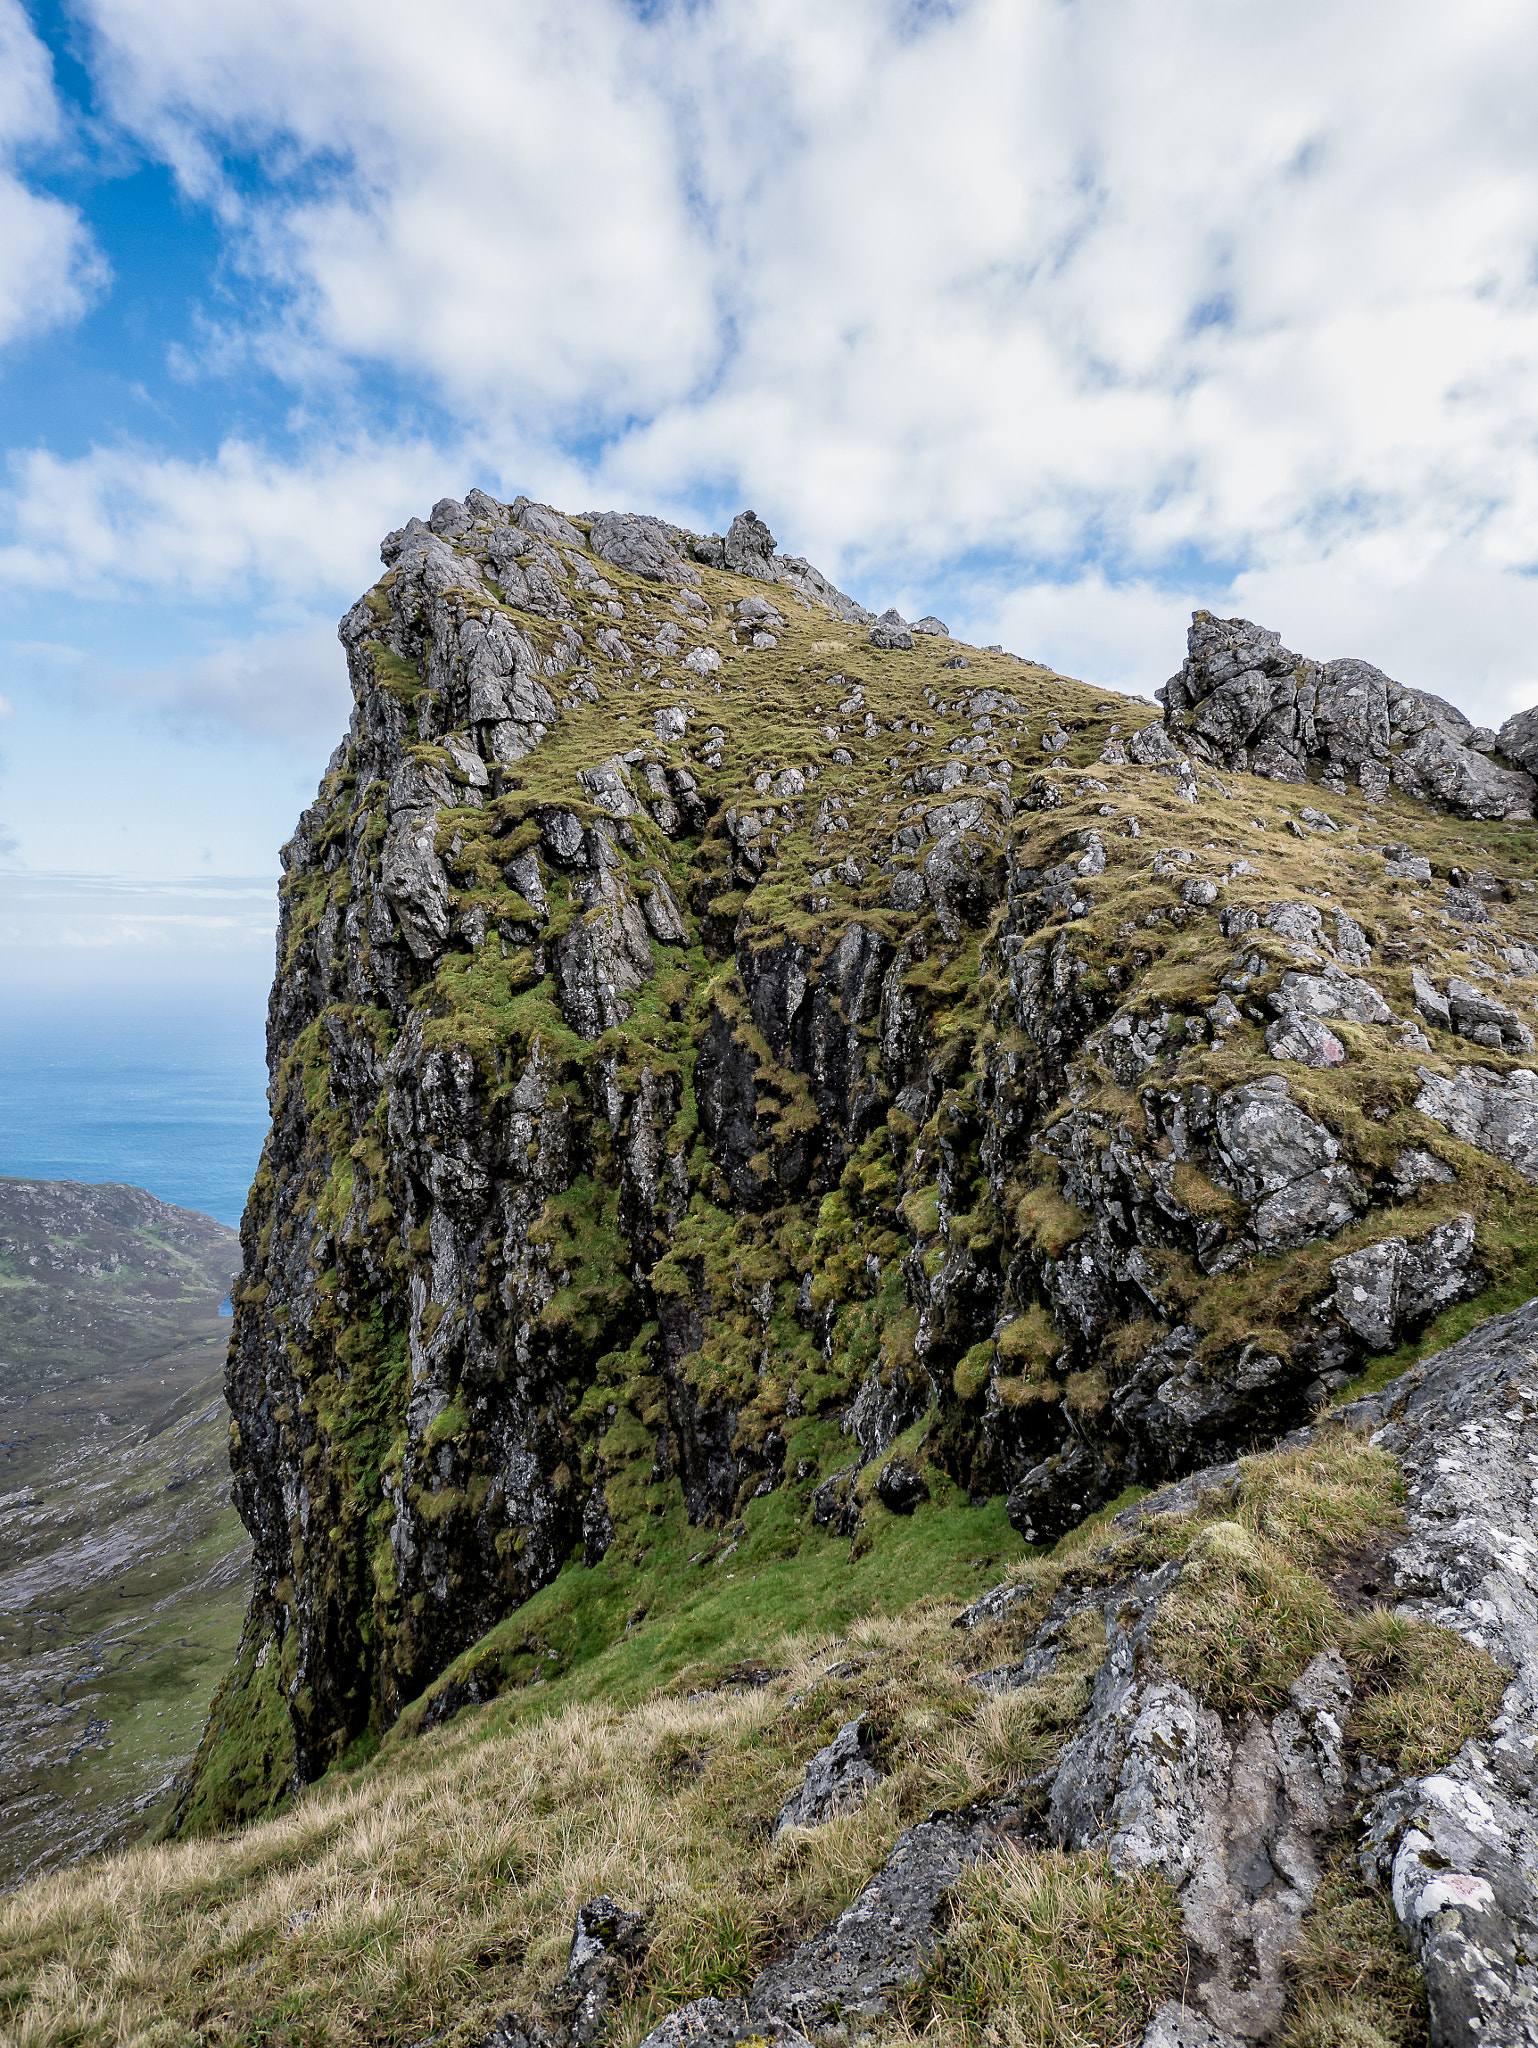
{"x": 1243, "y": 700}
{"x": 718, "y": 1060}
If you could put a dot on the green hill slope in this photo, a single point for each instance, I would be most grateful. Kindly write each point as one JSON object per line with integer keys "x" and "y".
{"x": 123, "y": 1569}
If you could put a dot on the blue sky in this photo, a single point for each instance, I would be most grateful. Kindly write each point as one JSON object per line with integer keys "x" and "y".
{"x": 1055, "y": 319}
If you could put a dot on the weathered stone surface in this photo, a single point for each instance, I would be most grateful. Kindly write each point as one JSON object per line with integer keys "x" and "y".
{"x": 749, "y": 549}
{"x": 1480, "y": 1017}
{"x": 884, "y": 1940}
{"x": 900, "y": 1487}
{"x": 1433, "y": 1006}
{"x": 812, "y": 585}
{"x": 1233, "y": 1818}
{"x": 1518, "y": 739}
{"x": 1390, "y": 1289}
{"x": 891, "y": 631}
{"x": 1497, "y": 1113}
{"x": 608, "y": 1944}
{"x": 1244, "y": 700}
{"x": 1331, "y": 994}
{"x": 1303, "y": 1038}
{"x": 646, "y": 547}
{"x": 1458, "y": 1849}
{"x": 837, "y": 1778}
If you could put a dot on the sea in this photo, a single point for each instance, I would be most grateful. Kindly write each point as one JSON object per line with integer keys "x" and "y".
{"x": 175, "y": 1103}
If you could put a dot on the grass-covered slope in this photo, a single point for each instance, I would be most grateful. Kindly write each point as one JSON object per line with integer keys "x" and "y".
{"x": 432, "y": 1889}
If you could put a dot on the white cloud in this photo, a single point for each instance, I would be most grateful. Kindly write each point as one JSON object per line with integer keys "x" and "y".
{"x": 1142, "y": 305}
{"x": 241, "y": 523}
{"x": 50, "y": 270}
{"x": 288, "y": 687}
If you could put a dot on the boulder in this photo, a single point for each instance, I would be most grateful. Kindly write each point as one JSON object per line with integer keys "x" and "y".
{"x": 931, "y": 624}
{"x": 1518, "y": 739}
{"x": 1391, "y": 1289}
{"x": 749, "y": 549}
{"x": 1153, "y": 745}
{"x": 1304, "y": 1039}
{"x": 1496, "y": 1113}
{"x": 837, "y": 1778}
{"x": 890, "y": 631}
{"x": 899, "y": 1487}
{"x": 1480, "y": 1017}
{"x": 643, "y": 546}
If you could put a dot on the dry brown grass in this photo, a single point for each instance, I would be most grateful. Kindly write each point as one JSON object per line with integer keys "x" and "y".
{"x": 434, "y": 1891}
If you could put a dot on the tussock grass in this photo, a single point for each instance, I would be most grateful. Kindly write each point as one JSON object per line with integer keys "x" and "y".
{"x": 1051, "y": 1951}
{"x": 435, "y": 1889}
{"x": 1422, "y": 1691}
{"x": 1355, "y": 1985}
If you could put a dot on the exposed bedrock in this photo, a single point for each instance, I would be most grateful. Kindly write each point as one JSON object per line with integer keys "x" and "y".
{"x": 679, "y": 1045}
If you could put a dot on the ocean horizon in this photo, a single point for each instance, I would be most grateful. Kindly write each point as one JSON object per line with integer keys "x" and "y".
{"x": 175, "y": 1104}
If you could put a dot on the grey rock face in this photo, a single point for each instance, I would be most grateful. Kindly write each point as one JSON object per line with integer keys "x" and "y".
{"x": 1480, "y": 1017}
{"x": 891, "y": 631}
{"x": 1151, "y": 746}
{"x": 1518, "y": 739}
{"x": 1498, "y": 1114}
{"x": 884, "y": 1940}
{"x": 1177, "y": 2026}
{"x": 1285, "y": 1162}
{"x": 1389, "y": 1289}
{"x": 1243, "y": 700}
{"x": 837, "y": 1778}
{"x": 1439, "y": 764}
{"x": 1432, "y": 1006}
{"x": 1305, "y": 1039}
{"x": 1458, "y": 1848}
{"x": 605, "y": 957}
{"x": 607, "y": 1945}
{"x": 900, "y": 1487}
{"x": 1057, "y": 1494}
{"x": 1331, "y": 994}
{"x": 930, "y": 624}
{"x": 749, "y": 548}
{"x": 646, "y": 547}
{"x": 810, "y": 584}
{"x": 546, "y": 523}
{"x": 1233, "y": 1818}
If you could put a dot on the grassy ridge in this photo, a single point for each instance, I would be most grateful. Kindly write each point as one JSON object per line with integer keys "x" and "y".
{"x": 432, "y": 1888}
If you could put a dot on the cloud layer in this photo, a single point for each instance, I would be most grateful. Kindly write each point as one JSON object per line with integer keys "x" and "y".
{"x": 1062, "y": 318}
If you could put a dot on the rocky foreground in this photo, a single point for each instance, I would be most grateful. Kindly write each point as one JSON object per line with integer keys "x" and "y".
{"x": 1238, "y": 1816}
{"x": 743, "y": 1065}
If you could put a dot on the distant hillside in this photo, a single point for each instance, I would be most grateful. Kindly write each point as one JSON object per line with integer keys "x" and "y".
{"x": 122, "y": 1566}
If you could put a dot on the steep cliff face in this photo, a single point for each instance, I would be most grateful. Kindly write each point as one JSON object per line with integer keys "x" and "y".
{"x": 727, "y": 1046}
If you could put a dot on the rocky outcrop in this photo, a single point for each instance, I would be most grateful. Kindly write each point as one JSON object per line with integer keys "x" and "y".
{"x": 837, "y": 1778}
{"x": 680, "y": 1044}
{"x": 1240, "y": 1815}
{"x": 1458, "y": 1848}
{"x": 1245, "y": 701}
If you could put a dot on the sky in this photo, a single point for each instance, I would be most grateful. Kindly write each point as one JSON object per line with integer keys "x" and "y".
{"x": 1056, "y": 317}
